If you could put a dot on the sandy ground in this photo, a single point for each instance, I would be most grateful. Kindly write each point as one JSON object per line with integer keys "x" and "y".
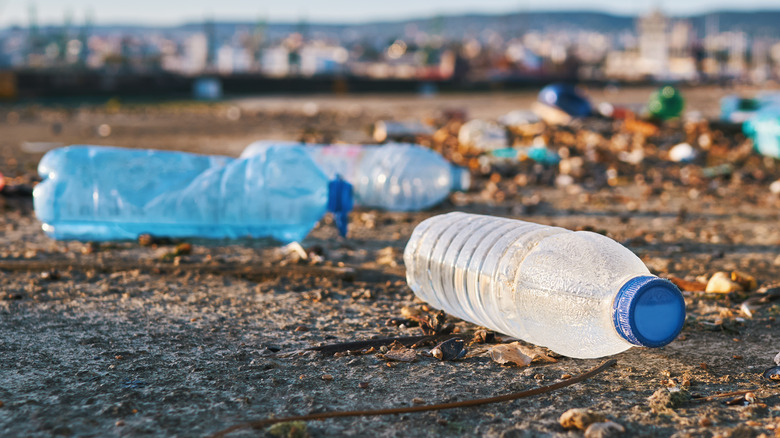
{"x": 118, "y": 339}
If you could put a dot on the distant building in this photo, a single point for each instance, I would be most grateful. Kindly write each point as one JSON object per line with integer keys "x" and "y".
{"x": 654, "y": 44}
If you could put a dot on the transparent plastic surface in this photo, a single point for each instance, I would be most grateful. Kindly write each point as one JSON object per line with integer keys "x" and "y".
{"x": 545, "y": 285}
{"x": 764, "y": 130}
{"x": 104, "y": 193}
{"x": 395, "y": 177}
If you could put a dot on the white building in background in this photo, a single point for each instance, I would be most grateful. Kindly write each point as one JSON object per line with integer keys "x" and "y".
{"x": 654, "y": 44}
{"x": 196, "y": 50}
{"x": 233, "y": 59}
{"x": 680, "y": 38}
{"x": 736, "y": 44}
{"x": 275, "y": 61}
{"x": 759, "y": 69}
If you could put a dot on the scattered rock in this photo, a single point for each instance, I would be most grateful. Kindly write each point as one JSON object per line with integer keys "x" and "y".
{"x": 604, "y": 430}
{"x": 327, "y": 377}
{"x": 579, "y": 418}
{"x": 721, "y": 283}
{"x": 399, "y": 353}
{"x": 410, "y": 312}
{"x": 387, "y": 257}
{"x": 777, "y": 359}
{"x": 746, "y": 281}
{"x": 483, "y": 337}
{"x": 665, "y": 400}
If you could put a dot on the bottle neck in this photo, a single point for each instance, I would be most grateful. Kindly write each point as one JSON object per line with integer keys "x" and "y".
{"x": 461, "y": 179}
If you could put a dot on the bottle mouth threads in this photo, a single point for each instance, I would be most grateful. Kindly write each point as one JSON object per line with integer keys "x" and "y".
{"x": 649, "y": 311}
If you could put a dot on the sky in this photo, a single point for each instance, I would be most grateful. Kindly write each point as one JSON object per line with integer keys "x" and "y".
{"x": 172, "y": 12}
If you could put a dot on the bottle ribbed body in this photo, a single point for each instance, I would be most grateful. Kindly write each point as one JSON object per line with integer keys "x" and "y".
{"x": 395, "y": 177}
{"x": 103, "y": 193}
{"x": 545, "y": 285}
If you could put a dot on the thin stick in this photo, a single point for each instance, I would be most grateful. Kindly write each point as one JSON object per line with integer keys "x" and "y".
{"x": 725, "y": 394}
{"x": 461, "y": 404}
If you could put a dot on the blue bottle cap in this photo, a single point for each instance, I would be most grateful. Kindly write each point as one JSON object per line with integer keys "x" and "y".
{"x": 340, "y": 202}
{"x": 649, "y": 311}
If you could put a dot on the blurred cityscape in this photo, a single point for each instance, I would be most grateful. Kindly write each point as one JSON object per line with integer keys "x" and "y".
{"x": 454, "y": 51}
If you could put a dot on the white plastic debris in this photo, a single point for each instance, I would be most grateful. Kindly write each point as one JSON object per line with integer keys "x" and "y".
{"x": 775, "y": 187}
{"x": 482, "y": 135}
{"x": 519, "y": 118}
{"x": 682, "y": 153}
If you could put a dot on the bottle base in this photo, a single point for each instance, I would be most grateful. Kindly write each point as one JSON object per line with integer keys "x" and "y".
{"x": 105, "y": 231}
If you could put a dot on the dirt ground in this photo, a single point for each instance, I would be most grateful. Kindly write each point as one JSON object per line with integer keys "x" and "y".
{"x": 120, "y": 339}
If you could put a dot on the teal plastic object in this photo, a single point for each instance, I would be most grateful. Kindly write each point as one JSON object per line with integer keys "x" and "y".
{"x": 764, "y": 130}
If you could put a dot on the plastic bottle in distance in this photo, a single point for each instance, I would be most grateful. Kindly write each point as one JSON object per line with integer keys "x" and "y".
{"x": 578, "y": 293}
{"x": 107, "y": 193}
{"x": 764, "y": 129}
{"x": 395, "y": 177}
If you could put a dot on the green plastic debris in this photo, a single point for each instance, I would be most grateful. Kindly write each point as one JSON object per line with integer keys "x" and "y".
{"x": 666, "y": 103}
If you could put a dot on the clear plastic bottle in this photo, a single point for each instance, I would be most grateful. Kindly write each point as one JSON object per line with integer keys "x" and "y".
{"x": 108, "y": 193}
{"x": 578, "y": 293}
{"x": 395, "y": 177}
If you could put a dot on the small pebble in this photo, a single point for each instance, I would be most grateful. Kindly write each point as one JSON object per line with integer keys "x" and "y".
{"x": 301, "y": 328}
{"x": 721, "y": 283}
{"x": 579, "y": 418}
{"x": 566, "y": 377}
{"x": 119, "y": 423}
{"x": 2, "y": 404}
{"x": 418, "y": 401}
{"x": 363, "y": 385}
{"x": 327, "y": 377}
{"x": 604, "y": 430}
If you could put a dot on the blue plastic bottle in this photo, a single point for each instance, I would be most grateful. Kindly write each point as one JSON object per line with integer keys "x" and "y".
{"x": 395, "y": 177}
{"x": 108, "y": 193}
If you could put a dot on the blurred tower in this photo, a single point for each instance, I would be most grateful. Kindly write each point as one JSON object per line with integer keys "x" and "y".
{"x": 737, "y": 45}
{"x": 209, "y": 29}
{"x": 759, "y": 60}
{"x": 64, "y": 36}
{"x": 256, "y": 44}
{"x": 86, "y": 29}
{"x": 34, "y": 41}
{"x": 711, "y": 65}
{"x": 653, "y": 44}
